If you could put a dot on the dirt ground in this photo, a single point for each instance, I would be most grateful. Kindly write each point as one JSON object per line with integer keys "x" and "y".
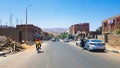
{"x": 26, "y": 47}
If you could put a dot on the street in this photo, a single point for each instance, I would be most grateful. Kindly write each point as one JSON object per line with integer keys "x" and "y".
{"x": 60, "y": 55}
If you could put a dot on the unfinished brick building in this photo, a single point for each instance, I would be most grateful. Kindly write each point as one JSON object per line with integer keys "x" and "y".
{"x": 79, "y": 28}
{"x": 18, "y": 33}
{"x": 111, "y": 24}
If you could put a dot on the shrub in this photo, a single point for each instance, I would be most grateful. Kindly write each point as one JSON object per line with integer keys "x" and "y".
{"x": 117, "y": 31}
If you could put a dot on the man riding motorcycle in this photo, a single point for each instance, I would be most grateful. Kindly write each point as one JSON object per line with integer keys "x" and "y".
{"x": 38, "y": 44}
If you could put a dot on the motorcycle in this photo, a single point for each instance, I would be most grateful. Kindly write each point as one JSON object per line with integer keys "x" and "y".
{"x": 38, "y": 47}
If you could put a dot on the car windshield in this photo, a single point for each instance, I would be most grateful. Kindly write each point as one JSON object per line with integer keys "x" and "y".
{"x": 96, "y": 41}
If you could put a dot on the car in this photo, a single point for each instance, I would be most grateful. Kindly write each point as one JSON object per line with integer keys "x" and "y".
{"x": 66, "y": 40}
{"x": 57, "y": 39}
{"x": 78, "y": 42}
{"x": 53, "y": 39}
{"x": 94, "y": 44}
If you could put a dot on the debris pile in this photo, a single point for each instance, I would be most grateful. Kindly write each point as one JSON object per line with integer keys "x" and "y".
{"x": 7, "y": 44}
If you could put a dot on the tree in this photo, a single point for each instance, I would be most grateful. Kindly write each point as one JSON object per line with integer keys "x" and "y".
{"x": 50, "y": 36}
{"x": 70, "y": 36}
{"x": 63, "y": 35}
{"x": 99, "y": 30}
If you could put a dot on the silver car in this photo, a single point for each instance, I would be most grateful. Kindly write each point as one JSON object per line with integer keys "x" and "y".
{"x": 94, "y": 44}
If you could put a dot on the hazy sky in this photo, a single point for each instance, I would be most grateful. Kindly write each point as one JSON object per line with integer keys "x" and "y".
{"x": 59, "y": 13}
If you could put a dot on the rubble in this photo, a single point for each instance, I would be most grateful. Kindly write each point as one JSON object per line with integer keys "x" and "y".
{"x": 7, "y": 44}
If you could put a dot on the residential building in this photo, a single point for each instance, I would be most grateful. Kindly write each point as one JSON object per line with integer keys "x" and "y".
{"x": 18, "y": 33}
{"x": 111, "y": 24}
{"x": 79, "y": 28}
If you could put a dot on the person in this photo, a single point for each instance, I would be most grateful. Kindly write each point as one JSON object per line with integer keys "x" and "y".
{"x": 82, "y": 42}
{"x": 38, "y": 43}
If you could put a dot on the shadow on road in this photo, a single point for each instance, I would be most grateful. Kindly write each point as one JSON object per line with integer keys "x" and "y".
{"x": 40, "y": 51}
{"x": 99, "y": 51}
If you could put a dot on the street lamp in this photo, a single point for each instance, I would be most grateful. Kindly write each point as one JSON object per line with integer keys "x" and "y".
{"x": 26, "y": 19}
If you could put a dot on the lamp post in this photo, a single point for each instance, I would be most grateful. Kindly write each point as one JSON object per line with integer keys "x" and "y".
{"x": 26, "y": 19}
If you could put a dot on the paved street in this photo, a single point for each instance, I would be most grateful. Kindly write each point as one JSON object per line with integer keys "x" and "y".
{"x": 60, "y": 55}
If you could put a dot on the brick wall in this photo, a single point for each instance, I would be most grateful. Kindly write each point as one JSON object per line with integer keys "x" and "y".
{"x": 10, "y": 32}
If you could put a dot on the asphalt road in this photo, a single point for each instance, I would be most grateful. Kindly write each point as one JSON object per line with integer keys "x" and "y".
{"x": 60, "y": 55}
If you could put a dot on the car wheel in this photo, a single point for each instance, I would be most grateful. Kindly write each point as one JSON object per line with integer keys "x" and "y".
{"x": 89, "y": 49}
{"x": 76, "y": 44}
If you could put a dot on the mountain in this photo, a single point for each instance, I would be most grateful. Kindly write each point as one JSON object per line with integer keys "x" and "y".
{"x": 55, "y": 31}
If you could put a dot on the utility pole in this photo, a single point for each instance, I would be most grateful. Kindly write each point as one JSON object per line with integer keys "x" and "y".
{"x": 27, "y": 19}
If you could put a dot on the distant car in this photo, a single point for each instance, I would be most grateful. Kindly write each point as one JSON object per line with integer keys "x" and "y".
{"x": 57, "y": 39}
{"x": 66, "y": 40}
{"x": 94, "y": 44}
{"x": 53, "y": 39}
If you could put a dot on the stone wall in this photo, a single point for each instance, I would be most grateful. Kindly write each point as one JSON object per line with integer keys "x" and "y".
{"x": 101, "y": 37}
{"x": 113, "y": 40}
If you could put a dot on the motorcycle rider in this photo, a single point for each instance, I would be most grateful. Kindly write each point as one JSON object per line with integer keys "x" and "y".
{"x": 38, "y": 43}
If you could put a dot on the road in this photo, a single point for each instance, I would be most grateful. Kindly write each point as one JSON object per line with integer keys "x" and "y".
{"x": 60, "y": 55}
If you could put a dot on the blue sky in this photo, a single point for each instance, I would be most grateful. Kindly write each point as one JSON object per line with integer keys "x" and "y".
{"x": 59, "y": 13}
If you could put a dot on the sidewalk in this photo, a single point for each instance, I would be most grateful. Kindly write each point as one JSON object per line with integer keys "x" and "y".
{"x": 114, "y": 49}
{"x": 25, "y": 46}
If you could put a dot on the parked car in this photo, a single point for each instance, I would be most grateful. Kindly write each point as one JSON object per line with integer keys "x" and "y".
{"x": 78, "y": 42}
{"x": 94, "y": 44}
{"x": 66, "y": 40}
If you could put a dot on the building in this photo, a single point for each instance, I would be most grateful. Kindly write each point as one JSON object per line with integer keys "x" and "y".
{"x": 111, "y": 24}
{"x": 18, "y": 33}
{"x": 79, "y": 28}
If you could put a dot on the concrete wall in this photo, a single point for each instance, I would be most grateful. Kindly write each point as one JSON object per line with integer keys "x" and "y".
{"x": 113, "y": 40}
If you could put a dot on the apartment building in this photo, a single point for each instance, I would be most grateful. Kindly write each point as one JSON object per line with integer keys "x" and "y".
{"x": 111, "y": 24}
{"x": 79, "y": 28}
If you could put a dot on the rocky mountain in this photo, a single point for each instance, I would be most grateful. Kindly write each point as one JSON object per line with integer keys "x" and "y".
{"x": 55, "y": 30}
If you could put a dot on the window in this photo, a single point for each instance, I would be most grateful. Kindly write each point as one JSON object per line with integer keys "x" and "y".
{"x": 105, "y": 24}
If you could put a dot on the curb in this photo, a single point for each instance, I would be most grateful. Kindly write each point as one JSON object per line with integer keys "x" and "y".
{"x": 114, "y": 51}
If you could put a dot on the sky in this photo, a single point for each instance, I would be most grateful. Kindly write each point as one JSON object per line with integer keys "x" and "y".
{"x": 58, "y": 13}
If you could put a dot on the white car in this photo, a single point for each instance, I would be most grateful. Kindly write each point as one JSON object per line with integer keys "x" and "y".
{"x": 94, "y": 44}
{"x": 78, "y": 43}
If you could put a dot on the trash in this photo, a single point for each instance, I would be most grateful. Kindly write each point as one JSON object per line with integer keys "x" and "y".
{"x": 7, "y": 44}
